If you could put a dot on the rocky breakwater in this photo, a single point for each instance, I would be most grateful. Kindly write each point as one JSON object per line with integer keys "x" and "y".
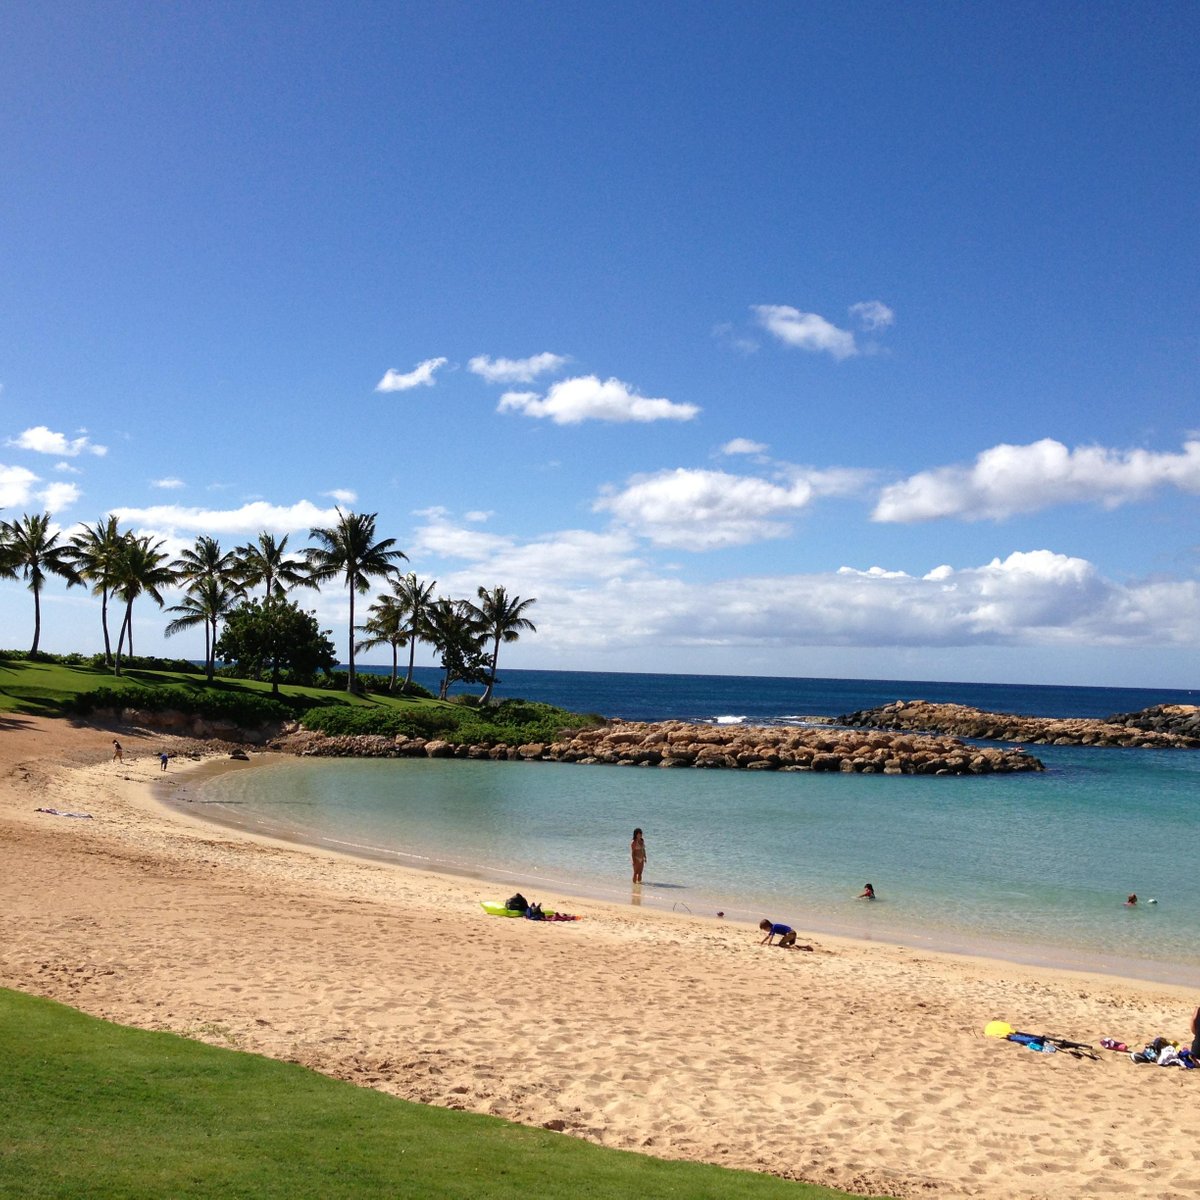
{"x": 675, "y": 744}
{"x": 959, "y": 720}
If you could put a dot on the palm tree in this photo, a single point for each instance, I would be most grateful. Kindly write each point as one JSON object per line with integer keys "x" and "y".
{"x": 204, "y": 560}
{"x": 503, "y": 620}
{"x": 212, "y": 577}
{"x": 265, "y": 561}
{"x": 456, "y": 631}
{"x": 32, "y": 552}
{"x": 385, "y": 627}
{"x": 95, "y": 552}
{"x": 142, "y": 568}
{"x": 414, "y": 598}
{"x": 205, "y": 602}
{"x": 349, "y": 550}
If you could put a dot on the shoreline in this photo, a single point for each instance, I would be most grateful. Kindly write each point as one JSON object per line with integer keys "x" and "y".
{"x": 676, "y": 1036}
{"x": 1042, "y": 955}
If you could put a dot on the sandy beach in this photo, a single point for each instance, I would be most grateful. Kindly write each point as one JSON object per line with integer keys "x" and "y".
{"x": 857, "y": 1065}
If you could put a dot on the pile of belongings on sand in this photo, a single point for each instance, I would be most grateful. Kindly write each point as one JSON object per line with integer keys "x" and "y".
{"x": 1162, "y": 1053}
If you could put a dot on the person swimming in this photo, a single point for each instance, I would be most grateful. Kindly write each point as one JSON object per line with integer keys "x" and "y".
{"x": 1132, "y": 900}
{"x": 868, "y": 893}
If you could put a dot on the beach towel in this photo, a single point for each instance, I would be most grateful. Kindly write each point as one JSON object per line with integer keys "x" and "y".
{"x": 58, "y": 812}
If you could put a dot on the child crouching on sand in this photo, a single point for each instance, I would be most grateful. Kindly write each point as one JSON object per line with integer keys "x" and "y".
{"x": 785, "y": 933}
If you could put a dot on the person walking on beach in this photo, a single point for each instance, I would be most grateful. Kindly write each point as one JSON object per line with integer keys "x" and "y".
{"x": 162, "y": 759}
{"x": 637, "y": 850}
{"x": 117, "y": 755}
{"x": 785, "y": 933}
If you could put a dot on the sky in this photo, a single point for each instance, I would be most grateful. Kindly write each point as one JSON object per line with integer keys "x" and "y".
{"x": 851, "y": 340}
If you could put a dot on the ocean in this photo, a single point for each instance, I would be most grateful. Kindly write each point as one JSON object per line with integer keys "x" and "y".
{"x": 1030, "y": 867}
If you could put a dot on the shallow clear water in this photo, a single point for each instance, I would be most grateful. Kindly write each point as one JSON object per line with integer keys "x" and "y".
{"x": 1030, "y": 867}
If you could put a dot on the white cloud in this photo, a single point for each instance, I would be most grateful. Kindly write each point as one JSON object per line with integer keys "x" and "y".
{"x": 479, "y": 515}
{"x": 16, "y": 486}
{"x": 597, "y": 599}
{"x": 170, "y": 483}
{"x": 341, "y": 495}
{"x": 587, "y": 398}
{"x": 516, "y": 370}
{"x": 57, "y": 496}
{"x": 1007, "y": 480}
{"x": 805, "y": 331}
{"x": 873, "y": 314}
{"x": 744, "y": 446}
{"x": 249, "y": 518}
{"x": 67, "y": 468}
{"x": 42, "y": 440}
{"x": 695, "y": 509}
{"x": 420, "y": 376}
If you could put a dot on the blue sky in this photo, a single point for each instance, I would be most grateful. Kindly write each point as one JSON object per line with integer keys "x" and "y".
{"x": 851, "y": 340}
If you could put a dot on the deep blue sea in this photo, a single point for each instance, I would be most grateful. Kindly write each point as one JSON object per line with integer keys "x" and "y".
{"x": 1025, "y": 867}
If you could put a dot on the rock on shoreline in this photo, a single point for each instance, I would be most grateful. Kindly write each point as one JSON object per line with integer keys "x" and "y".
{"x": 1160, "y": 728}
{"x": 670, "y": 744}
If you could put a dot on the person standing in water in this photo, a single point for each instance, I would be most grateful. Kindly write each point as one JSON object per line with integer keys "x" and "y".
{"x": 868, "y": 893}
{"x": 637, "y": 850}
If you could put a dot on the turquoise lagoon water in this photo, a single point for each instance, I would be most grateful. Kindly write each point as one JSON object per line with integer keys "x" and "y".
{"x": 1031, "y": 868}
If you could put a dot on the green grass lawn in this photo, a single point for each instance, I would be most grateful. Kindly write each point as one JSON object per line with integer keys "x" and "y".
{"x": 92, "y": 1109}
{"x": 49, "y": 687}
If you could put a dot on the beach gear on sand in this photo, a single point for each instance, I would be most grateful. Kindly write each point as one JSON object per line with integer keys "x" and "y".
{"x": 1046, "y": 1043}
{"x": 58, "y": 812}
{"x": 496, "y": 909}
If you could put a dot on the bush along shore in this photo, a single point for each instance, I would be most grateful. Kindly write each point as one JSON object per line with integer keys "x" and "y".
{"x": 1162, "y": 727}
{"x": 669, "y": 744}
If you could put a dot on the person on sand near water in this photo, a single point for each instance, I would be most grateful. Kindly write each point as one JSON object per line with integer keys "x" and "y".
{"x": 1132, "y": 900}
{"x": 118, "y": 756}
{"x": 637, "y": 850}
{"x": 162, "y": 759}
{"x": 785, "y": 933}
{"x": 868, "y": 893}
{"x": 1196, "y": 1034}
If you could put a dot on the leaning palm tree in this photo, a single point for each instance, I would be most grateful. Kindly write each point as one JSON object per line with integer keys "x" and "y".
{"x": 385, "y": 627}
{"x": 265, "y": 561}
{"x": 205, "y": 603}
{"x": 503, "y": 620}
{"x": 32, "y": 552}
{"x": 457, "y": 633}
{"x": 349, "y": 550}
{"x": 142, "y": 569}
{"x": 95, "y": 551}
{"x": 414, "y": 598}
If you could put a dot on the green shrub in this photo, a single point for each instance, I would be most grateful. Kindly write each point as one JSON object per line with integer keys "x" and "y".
{"x": 242, "y": 708}
{"x": 386, "y": 722}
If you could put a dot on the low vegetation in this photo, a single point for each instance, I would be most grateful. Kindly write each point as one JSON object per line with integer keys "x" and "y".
{"x": 70, "y": 685}
{"x": 94, "y": 1109}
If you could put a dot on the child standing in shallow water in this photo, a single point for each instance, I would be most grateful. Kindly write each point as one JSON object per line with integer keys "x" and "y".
{"x": 637, "y": 850}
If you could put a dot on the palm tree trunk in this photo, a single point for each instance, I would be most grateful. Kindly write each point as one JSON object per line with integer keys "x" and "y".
{"x": 104, "y": 623}
{"x": 37, "y": 620}
{"x": 412, "y": 654}
{"x": 395, "y": 668}
{"x": 127, "y": 623}
{"x": 491, "y": 683}
{"x": 350, "y": 673}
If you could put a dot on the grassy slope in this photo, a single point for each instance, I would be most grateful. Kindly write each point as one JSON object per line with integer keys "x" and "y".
{"x": 98, "y": 1110}
{"x": 47, "y": 687}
